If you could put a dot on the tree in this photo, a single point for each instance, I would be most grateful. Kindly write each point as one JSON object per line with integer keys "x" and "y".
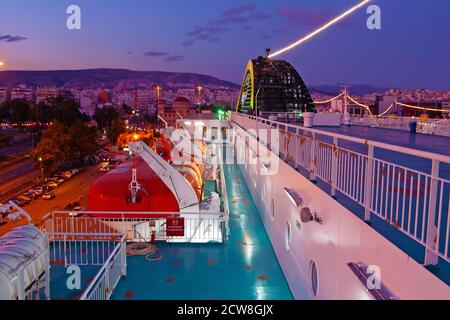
{"x": 115, "y": 130}
{"x": 44, "y": 112}
{"x": 54, "y": 149}
{"x": 17, "y": 110}
{"x": 105, "y": 116}
{"x": 83, "y": 140}
{"x": 127, "y": 109}
{"x": 66, "y": 110}
{"x": 61, "y": 147}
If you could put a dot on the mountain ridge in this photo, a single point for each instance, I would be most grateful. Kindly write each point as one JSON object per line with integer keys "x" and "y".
{"x": 106, "y": 77}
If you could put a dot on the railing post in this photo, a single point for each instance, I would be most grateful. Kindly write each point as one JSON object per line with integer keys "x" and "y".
{"x": 296, "y": 148}
{"x": 334, "y": 167}
{"x": 107, "y": 283}
{"x": 313, "y": 159}
{"x": 430, "y": 256}
{"x": 368, "y": 186}
{"x": 123, "y": 258}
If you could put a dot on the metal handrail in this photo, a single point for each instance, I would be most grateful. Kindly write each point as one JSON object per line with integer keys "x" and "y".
{"x": 102, "y": 270}
{"x": 373, "y": 143}
{"x": 371, "y": 182}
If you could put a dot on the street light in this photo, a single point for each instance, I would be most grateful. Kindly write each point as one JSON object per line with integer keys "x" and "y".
{"x": 199, "y": 88}
{"x": 42, "y": 169}
{"x": 158, "y": 92}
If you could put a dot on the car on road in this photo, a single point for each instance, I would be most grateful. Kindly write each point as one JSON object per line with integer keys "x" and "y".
{"x": 18, "y": 202}
{"x": 75, "y": 171}
{"x": 76, "y": 212}
{"x": 105, "y": 169}
{"x": 51, "y": 185}
{"x": 25, "y": 198}
{"x": 68, "y": 175}
{"x": 38, "y": 191}
{"x": 59, "y": 179}
{"x": 49, "y": 196}
{"x": 30, "y": 195}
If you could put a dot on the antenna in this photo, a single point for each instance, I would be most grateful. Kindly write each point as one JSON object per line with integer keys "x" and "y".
{"x": 267, "y": 53}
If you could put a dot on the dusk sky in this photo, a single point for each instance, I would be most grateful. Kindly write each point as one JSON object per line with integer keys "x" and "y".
{"x": 218, "y": 37}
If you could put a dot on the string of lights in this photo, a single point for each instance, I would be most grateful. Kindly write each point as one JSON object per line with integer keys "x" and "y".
{"x": 329, "y": 100}
{"x": 388, "y": 109}
{"x": 323, "y": 28}
{"x": 420, "y": 108}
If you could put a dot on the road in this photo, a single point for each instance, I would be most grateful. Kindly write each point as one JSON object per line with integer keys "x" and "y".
{"x": 14, "y": 150}
{"x": 13, "y": 171}
{"x": 74, "y": 190}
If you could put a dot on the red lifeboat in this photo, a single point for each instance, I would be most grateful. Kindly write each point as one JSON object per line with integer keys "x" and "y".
{"x": 110, "y": 193}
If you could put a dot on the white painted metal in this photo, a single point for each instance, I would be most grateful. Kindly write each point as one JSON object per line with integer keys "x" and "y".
{"x": 437, "y": 127}
{"x": 180, "y": 187}
{"x": 24, "y": 264}
{"x": 341, "y": 238}
{"x": 380, "y": 187}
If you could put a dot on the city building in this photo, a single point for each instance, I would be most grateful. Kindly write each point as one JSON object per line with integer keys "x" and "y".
{"x": 21, "y": 92}
{"x": 44, "y": 94}
{"x": 141, "y": 100}
{"x": 3, "y": 95}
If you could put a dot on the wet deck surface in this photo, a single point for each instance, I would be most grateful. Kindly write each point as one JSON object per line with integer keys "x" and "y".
{"x": 244, "y": 268}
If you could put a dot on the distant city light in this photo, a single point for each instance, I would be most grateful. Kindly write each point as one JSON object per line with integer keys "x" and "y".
{"x": 323, "y": 28}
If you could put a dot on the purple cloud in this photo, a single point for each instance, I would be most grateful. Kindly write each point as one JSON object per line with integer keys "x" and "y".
{"x": 10, "y": 38}
{"x": 240, "y": 15}
{"x": 156, "y": 54}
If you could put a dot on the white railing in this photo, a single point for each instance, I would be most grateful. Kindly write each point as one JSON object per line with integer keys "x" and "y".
{"x": 437, "y": 127}
{"x": 137, "y": 226}
{"x": 224, "y": 195}
{"x": 106, "y": 280}
{"x": 414, "y": 202}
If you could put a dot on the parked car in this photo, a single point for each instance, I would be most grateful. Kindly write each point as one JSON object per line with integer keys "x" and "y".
{"x": 105, "y": 169}
{"x": 25, "y": 198}
{"x": 51, "y": 185}
{"x": 30, "y": 195}
{"x": 38, "y": 191}
{"x": 75, "y": 171}
{"x": 49, "y": 196}
{"x": 59, "y": 179}
{"x": 18, "y": 202}
{"x": 76, "y": 211}
{"x": 68, "y": 175}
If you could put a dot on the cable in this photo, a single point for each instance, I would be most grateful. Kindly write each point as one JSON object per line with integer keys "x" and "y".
{"x": 329, "y": 100}
{"x": 365, "y": 106}
{"x": 380, "y": 115}
{"x": 144, "y": 249}
{"x": 323, "y": 28}
{"x": 421, "y": 108}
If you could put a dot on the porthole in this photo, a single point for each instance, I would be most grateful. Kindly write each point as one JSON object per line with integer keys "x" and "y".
{"x": 313, "y": 279}
{"x": 288, "y": 236}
